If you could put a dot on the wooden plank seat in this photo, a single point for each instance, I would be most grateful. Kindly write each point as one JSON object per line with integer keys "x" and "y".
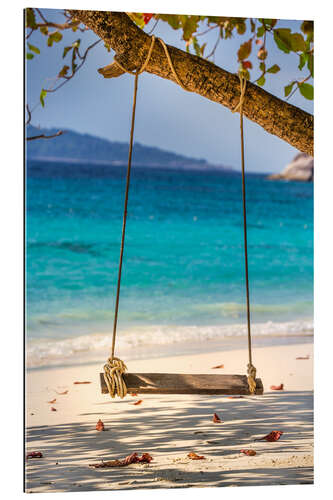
{"x": 180, "y": 383}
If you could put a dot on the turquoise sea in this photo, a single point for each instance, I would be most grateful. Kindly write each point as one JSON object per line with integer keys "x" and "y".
{"x": 183, "y": 276}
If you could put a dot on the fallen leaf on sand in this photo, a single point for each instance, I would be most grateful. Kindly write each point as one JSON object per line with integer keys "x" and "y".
{"x": 249, "y": 453}
{"x": 62, "y": 393}
{"x": 216, "y": 419}
{"x": 235, "y": 397}
{"x": 134, "y": 458}
{"x": 194, "y": 456}
{"x": 277, "y": 387}
{"x": 218, "y": 366}
{"x": 35, "y": 454}
{"x": 304, "y": 357}
{"x": 100, "y": 426}
{"x": 272, "y": 436}
{"x": 84, "y": 382}
{"x": 133, "y": 394}
{"x": 53, "y": 401}
{"x": 53, "y": 409}
{"x": 137, "y": 402}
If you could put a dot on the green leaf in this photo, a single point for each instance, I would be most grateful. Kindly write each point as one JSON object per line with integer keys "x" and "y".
{"x": 282, "y": 37}
{"x": 66, "y": 50}
{"x": 302, "y": 60}
{"x": 30, "y": 18}
{"x": 190, "y": 25}
{"x": 270, "y": 22}
{"x": 260, "y": 31}
{"x": 42, "y": 96}
{"x": 29, "y": 55}
{"x": 307, "y": 27}
{"x": 261, "y": 81}
{"x": 274, "y": 69}
{"x": 288, "y": 89}
{"x": 306, "y": 90}
{"x": 44, "y": 30}
{"x": 244, "y": 50}
{"x": 298, "y": 43}
{"x": 310, "y": 63}
{"x": 196, "y": 46}
{"x": 241, "y": 27}
{"x": 262, "y": 66}
{"x": 33, "y": 48}
{"x": 63, "y": 71}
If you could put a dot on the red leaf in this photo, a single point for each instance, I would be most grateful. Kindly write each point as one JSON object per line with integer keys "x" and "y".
{"x": 249, "y": 453}
{"x": 236, "y": 397}
{"x": 146, "y": 458}
{"x": 133, "y": 394}
{"x": 194, "y": 456}
{"x": 272, "y": 436}
{"x": 247, "y": 64}
{"x": 53, "y": 409}
{"x": 277, "y": 387}
{"x": 84, "y": 382}
{"x": 218, "y": 366}
{"x": 35, "y": 454}
{"x": 53, "y": 401}
{"x": 147, "y": 18}
{"x": 216, "y": 419}
{"x": 100, "y": 426}
{"x": 137, "y": 402}
{"x": 62, "y": 393}
{"x": 304, "y": 357}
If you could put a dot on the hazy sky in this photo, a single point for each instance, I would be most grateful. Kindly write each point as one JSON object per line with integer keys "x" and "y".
{"x": 167, "y": 116}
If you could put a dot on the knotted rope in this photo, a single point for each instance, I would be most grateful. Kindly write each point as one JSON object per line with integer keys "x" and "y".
{"x": 251, "y": 370}
{"x": 115, "y": 367}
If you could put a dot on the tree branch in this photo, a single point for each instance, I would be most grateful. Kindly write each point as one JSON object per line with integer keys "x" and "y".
{"x": 43, "y": 136}
{"x": 131, "y": 45}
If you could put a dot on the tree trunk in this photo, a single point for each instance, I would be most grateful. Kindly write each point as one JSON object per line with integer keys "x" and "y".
{"x": 131, "y": 45}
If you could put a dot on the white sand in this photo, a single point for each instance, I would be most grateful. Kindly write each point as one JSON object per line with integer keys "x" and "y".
{"x": 169, "y": 427}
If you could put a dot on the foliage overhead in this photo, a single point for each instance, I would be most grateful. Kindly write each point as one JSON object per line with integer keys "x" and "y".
{"x": 253, "y": 35}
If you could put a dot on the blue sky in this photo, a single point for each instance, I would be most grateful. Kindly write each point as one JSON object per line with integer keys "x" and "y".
{"x": 167, "y": 116}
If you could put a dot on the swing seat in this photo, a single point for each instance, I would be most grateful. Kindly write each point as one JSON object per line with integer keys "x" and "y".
{"x": 180, "y": 383}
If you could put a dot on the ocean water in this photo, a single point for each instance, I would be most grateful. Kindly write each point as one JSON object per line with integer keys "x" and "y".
{"x": 183, "y": 274}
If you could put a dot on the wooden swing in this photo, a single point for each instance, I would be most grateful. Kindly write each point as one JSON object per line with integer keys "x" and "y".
{"x": 115, "y": 380}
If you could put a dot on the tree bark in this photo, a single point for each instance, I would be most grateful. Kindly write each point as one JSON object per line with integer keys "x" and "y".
{"x": 131, "y": 45}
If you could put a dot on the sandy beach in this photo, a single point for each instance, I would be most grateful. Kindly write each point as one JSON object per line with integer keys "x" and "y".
{"x": 169, "y": 427}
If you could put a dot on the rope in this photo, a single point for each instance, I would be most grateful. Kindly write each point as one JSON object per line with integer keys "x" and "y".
{"x": 113, "y": 376}
{"x": 115, "y": 367}
{"x": 251, "y": 370}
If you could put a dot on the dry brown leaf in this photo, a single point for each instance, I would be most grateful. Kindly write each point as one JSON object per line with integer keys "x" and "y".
{"x": 134, "y": 458}
{"x": 277, "y": 387}
{"x": 304, "y": 357}
{"x": 218, "y": 366}
{"x": 84, "y": 382}
{"x": 137, "y": 402}
{"x": 272, "y": 436}
{"x": 34, "y": 454}
{"x": 249, "y": 453}
{"x": 62, "y": 393}
{"x": 100, "y": 426}
{"x": 194, "y": 456}
{"x": 216, "y": 419}
{"x": 53, "y": 401}
{"x": 53, "y": 409}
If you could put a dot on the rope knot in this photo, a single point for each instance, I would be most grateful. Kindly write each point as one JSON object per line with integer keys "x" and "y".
{"x": 113, "y": 376}
{"x": 251, "y": 377}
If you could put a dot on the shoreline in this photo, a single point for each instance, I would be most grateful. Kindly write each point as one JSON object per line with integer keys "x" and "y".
{"x": 136, "y": 343}
{"x": 170, "y": 426}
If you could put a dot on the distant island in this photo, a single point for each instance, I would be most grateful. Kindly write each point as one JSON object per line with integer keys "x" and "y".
{"x": 75, "y": 147}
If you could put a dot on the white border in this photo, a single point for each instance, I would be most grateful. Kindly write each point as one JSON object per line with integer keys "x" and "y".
{"x": 11, "y": 211}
